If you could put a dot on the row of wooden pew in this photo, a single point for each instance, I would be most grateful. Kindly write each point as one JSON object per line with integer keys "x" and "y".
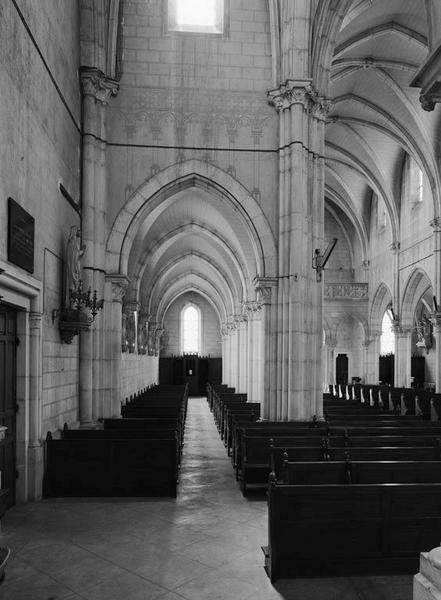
{"x": 136, "y": 455}
{"x": 354, "y": 493}
{"x": 411, "y": 401}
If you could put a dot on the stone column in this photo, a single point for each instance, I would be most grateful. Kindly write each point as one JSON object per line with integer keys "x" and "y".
{"x": 331, "y": 344}
{"x": 436, "y": 322}
{"x": 436, "y": 316}
{"x": 97, "y": 90}
{"x": 234, "y": 352}
{"x": 403, "y": 354}
{"x": 253, "y": 311}
{"x": 242, "y": 356}
{"x": 372, "y": 357}
{"x": 225, "y": 356}
{"x": 35, "y": 445}
{"x": 266, "y": 295}
{"x": 115, "y": 290}
{"x": 302, "y": 116}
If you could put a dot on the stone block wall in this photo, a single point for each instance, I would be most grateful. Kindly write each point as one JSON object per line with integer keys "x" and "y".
{"x": 210, "y": 338}
{"x": 39, "y": 128}
{"x": 138, "y": 371}
{"x": 194, "y": 96}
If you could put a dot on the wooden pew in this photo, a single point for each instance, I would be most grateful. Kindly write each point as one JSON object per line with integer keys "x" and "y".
{"x": 360, "y": 472}
{"x": 257, "y": 461}
{"x": 329, "y": 530}
{"x": 269, "y": 429}
{"x": 281, "y": 454}
{"x": 111, "y": 467}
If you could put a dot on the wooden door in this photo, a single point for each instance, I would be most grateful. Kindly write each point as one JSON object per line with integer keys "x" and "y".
{"x": 341, "y": 371}
{"x": 8, "y": 401}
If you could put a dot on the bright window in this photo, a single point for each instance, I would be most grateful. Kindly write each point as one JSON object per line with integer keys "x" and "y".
{"x": 416, "y": 183}
{"x": 190, "y": 329}
{"x": 387, "y": 340}
{"x": 196, "y": 16}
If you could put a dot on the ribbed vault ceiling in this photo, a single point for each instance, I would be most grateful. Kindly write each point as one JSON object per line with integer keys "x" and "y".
{"x": 376, "y": 116}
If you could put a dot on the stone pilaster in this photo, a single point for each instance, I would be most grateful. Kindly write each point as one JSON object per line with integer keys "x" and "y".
{"x": 116, "y": 286}
{"x": 403, "y": 354}
{"x": 35, "y": 445}
{"x": 371, "y": 347}
{"x": 330, "y": 345}
{"x": 255, "y": 371}
{"x": 97, "y": 89}
{"x": 302, "y": 114}
{"x": 435, "y": 317}
{"x": 266, "y": 360}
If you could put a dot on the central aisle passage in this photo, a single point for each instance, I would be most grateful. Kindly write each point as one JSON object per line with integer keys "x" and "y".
{"x": 205, "y": 545}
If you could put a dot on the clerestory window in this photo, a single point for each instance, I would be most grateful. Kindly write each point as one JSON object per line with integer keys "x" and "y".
{"x": 196, "y": 16}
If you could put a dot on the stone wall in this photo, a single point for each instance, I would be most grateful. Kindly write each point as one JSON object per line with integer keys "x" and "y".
{"x": 187, "y": 96}
{"x": 210, "y": 338}
{"x": 39, "y": 127}
{"x": 138, "y": 371}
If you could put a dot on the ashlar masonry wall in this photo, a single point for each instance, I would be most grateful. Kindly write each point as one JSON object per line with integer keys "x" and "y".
{"x": 39, "y": 128}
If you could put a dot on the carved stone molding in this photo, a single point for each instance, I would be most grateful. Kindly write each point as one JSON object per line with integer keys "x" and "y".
{"x": 435, "y": 318}
{"x": 35, "y": 320}
{"x": 95, "y": 83}
{"x": 119, "y": 284}
{"x": 394, "y": 247}
{"x": 436, "y": 224}
{"x": 346, "y": 291}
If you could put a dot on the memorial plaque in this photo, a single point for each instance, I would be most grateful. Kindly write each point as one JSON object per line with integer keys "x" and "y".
{"x": 21, "y": 228}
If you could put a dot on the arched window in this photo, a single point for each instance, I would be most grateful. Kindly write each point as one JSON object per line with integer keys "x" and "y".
{"x": 387, "y": 341}
{"x": 416, "y": 183}
{"x": 196, "y": 16}
{"x": 191, "y": 329}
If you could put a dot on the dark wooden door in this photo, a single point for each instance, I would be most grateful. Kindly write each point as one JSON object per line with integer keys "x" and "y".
{"x": 8, "y": 401}
{"x": 341, "y": 371}
{"x": 191, "y": 374}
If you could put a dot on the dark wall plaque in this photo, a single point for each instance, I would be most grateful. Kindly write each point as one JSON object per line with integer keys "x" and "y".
{"x": 21, "y": 231}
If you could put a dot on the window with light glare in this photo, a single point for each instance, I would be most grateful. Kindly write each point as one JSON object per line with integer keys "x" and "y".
{"x": 196, "y": 16}
{"x": 190, "y": 329}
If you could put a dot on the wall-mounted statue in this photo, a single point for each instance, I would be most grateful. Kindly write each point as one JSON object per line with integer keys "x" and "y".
{"x": 74, "y": 252}
{"x": 424, "y": 329}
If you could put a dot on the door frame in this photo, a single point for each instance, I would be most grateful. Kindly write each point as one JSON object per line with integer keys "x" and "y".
{"x": 24, "y": 293}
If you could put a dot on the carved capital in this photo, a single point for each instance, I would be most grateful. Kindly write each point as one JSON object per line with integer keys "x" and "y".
{"x": 94, "y": 83}
{"x": 252, "y": 309}
{"x": 394, "y": 247}
{"x": 264, "y": 288}
{"x": 119, "y": 284}
{"x": 291, "y": 92}
{"x": 321, "y": 108}
{"x": 132, "y": 306}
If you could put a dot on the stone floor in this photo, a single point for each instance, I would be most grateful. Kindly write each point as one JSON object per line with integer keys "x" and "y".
{"x": 205, "y": 545}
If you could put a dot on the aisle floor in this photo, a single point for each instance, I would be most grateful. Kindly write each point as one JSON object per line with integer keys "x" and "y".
{"x": 204, "y": 545}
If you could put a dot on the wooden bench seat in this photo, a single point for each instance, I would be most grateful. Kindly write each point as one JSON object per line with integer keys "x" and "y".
{"x": 333, "y": 530}
{"x": 360, "y": 472}
{"x": 111, "y": 467}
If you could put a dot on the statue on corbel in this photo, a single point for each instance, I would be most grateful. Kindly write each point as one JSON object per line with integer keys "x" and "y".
{"x": 424, "y": 332}
{"x": 143, "y": 324}
{"x": 78, "y": 308}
